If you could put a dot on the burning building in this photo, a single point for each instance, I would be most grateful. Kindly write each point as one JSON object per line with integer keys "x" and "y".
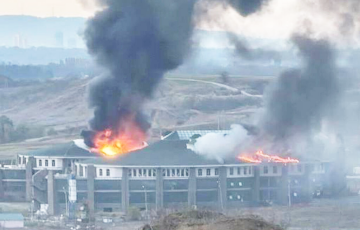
{"x": 164, "y": 174}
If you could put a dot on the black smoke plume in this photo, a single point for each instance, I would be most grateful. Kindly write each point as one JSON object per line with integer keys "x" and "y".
{"x": 243, "y": 50}
{"x": 301, "y": 98}
{"x": 247, "y": 7}
{"x": 136, "y": 41}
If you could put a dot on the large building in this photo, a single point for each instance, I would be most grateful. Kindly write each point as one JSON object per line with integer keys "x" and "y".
{"x": 166, "y": 174}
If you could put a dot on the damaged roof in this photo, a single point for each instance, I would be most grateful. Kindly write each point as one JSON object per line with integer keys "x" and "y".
{"x": 188, "y": 134}
{"x": 161, "y": 153}
{"x": 66, "y": 150}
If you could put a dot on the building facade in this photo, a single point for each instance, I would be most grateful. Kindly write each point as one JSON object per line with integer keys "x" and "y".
{"x": 166, "y": 174}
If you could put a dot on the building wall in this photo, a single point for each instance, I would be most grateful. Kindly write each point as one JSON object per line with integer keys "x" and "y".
{"x": 211, "y": 187}
{"x": 13, "y": 184}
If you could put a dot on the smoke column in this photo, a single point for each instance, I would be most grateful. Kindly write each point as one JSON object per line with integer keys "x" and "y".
{"x": 301, "y": 98}
{"x": 219, "y": 146}
{"x": 244, "y": 51}
{"x": 247, "y": 7}
{"x": 136, "y": 41}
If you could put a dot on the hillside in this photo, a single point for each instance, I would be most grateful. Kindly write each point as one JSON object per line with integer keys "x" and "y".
{"x": 179, "y": 103}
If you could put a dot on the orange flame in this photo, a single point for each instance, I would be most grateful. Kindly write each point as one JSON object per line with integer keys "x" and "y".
{"x": 130, "y": 138}
{"x": 260, "y": 157}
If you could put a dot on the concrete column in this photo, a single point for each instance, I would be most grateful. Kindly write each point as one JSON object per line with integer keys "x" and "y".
{"x": 283, "y": 196}
{"x": 192, "y": 187}
{"x": 1, "y": 186}
{"x": 256, "y": 185}
{"x": 308, "y": 189}
{"x": 91, "y": 189}
{"x": 51, "y": 191}
{"x": 125, "y": 190}
{"x": 222, "y": 189}
{"x": 159, "y": 189}
{"x": 29, "y": 173}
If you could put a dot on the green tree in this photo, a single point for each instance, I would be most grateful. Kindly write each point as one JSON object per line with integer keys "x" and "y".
{"x": 6, "y": 128}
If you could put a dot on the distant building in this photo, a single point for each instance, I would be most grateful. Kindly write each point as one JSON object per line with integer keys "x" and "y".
{"x": 11, "y": 220}
{"x": 20, "y": 41}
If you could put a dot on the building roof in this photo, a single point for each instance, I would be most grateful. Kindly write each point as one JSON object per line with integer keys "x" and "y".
{"x": 162, "y": 153}
{"x": 11, "y": 216}
{"x": 66, "y": 150}
{"x": 187, "y": 134}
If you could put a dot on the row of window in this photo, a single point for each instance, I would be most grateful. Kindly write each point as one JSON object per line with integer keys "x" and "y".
{"x": 208, "y": 172}
{"x": 180, "y": 172}
{"x": 46, "y": 163}
{"x": 107, "y": 172}
{"x": 82, "y": 171}
{"x": 274, "y": 169}
{"x": 295, "y": 168}
{"x": 142, "y": 172}
{"x": 240, "y": 171}
{"x": 22, "y": 160}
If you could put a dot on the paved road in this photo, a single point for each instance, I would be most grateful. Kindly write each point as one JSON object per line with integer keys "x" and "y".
{"x": 232, "y": 89}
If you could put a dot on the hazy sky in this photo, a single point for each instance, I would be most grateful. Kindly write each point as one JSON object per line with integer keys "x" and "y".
{"x": 46, "y": 8}
{"x": 278, "y": 20}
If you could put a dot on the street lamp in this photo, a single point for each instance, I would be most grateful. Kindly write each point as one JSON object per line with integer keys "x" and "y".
{"x": 66, "y": 203}
{"x": 146, "y": 207}
{"x": 221, "y": 197}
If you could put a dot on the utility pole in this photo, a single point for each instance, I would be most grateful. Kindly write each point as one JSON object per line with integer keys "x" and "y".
{"x": 221, "y": 197}
{"x": 289, "y": 192}
{"x": 66, "y": 203}
{"x": 146, "y": 206}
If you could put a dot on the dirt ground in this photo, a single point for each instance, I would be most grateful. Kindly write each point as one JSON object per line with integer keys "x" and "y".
{"x": 323, "y": 214}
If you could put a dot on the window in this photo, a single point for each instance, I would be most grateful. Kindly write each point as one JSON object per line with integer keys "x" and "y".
{"x": 239, "y": 170}
{"x": 107, "y": 172}
{"x": 168, "y": 172}
{"x": 24, "y": 160}
{"x": 140, "y": 173}
{"x": 53, "y": 163}
{"x": 144, "y": 172}
{"x": 245, "y": 170}
{"x": 187, "y": 172}
{"x": 208, "y": 172}
{"x": 130, "y": 173}
{"x": 149, "y": 172}
{"x": 40, "y": 163}
{"x": 216, "y": 172}
{"x": 199, "y": 172}
{"x": 173, "y": 172}
{"x": 275, "y": 169}
{"x": 231, "y": 171}
{"x": 163, "y": 172}
{"x": 182, "y": 172}
{"x": 135, "y": 171}
{"x": 19, "y": 160}
{"x": 154, "y": 172}
{"x": 266, "y": 170}
{"x": 46, "y": 163}
{"x": 177, "y": 172}
{"x": 100, "y": 172}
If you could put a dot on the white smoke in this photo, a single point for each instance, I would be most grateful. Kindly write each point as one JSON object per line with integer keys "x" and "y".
{"x": 217, "y": 146}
